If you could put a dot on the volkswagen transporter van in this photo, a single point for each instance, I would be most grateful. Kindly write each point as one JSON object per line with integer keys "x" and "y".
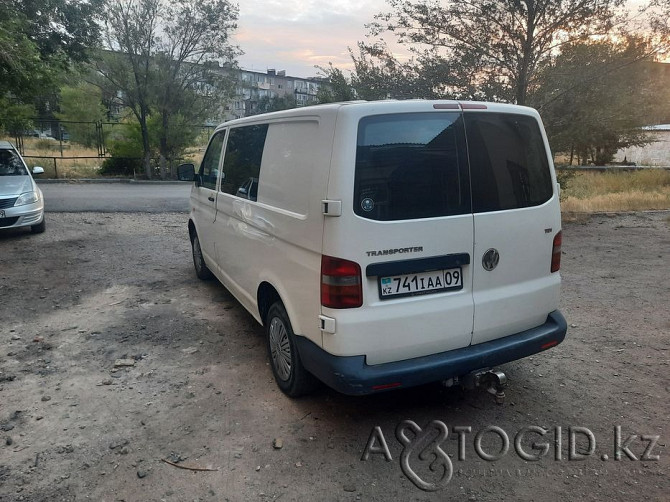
{"x": 384, "y": 245}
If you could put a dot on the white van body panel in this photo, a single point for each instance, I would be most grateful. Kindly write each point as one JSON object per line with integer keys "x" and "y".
{"x": 278, "y": 238}
{"x": 520, "y": 291}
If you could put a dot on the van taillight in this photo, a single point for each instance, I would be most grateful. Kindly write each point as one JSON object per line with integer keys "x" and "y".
{"x": 556, "y": 252}
{"x": 341, "y": 285}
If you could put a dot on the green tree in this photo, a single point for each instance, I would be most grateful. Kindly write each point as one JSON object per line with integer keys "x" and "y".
{"x": 81, "y": 104}
{"x": 379, "y": 75}
{"x": 595, "y": 97}
{"x": 15, "y": 117}
{"x": 124, "y": 143}
{"x": 163, "y": 60}
{"x": 63, "y": 30}
{"x": 484, "y": 49}
{"x": 190, "y": 85}
{"x": 126, "y": 66}
{"x": 20, "y": 61}
{"x": 268, "y": 104}
{"x": 338, "y": 88}
{"x": 39, "y": 41}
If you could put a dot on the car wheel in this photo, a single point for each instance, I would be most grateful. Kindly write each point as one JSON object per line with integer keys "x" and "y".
{"x": 291, "y": 376}
{"x": 201, "y": 269}
{"x": 40, "y": 227}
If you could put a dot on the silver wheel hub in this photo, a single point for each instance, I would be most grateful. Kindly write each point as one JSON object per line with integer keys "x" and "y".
{"x": 280, "y": 349}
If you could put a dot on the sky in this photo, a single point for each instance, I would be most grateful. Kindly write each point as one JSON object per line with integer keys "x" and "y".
{"x": 296, "y": 35}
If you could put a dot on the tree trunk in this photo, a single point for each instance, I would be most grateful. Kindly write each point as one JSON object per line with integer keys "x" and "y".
{"x": 163, "y": 165}
{"x": 524, "y": 70}
{"x": 163, "y": 146}
{"x": 144, "y": 129}
{"x": 522, "y": 87}
{"x": 147, "y": 164}
{"x": 146, "y": 147}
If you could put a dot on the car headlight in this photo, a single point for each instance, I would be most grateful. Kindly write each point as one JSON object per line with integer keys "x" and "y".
{"x": 27, "y": 198}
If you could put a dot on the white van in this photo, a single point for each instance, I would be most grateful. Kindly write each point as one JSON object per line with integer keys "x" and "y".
{"x": 384, "y": 244}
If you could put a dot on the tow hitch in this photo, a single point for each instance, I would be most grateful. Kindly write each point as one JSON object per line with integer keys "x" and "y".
{"x": 493, "y": 381}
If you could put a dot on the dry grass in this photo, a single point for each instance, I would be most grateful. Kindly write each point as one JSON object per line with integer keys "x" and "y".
{"x": 195, "y": 154}
{"x": 617, "y": 191}
{"x": 52, "y": 148}
{"x": 42, "y": 151}
{"x": 67, "y": 168}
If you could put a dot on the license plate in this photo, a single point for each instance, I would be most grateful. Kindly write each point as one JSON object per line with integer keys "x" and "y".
{"x": 421, "y": 283}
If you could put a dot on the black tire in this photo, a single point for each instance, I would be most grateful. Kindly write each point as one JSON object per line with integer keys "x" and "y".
{"x": 201, "y": 269}
{"x": 40, "y": 227}
{"x": 291, "y": 376}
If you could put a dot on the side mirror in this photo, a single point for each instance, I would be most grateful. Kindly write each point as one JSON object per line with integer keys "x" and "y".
{"x": 38, "y": 170}
{"x": 242, "y": 192}
{"x": 186, "y": 172}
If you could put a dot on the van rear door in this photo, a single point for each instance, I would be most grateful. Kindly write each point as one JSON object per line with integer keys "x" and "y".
{"x": 411, "y": 232}
{"x": 516, "y": 216}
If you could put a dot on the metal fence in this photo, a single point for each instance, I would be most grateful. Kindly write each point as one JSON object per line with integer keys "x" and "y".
{"x": 78, "y": 149}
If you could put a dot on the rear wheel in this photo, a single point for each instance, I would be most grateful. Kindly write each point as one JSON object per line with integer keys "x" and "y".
{"x": 291, "y": 376}
{"x": 201, "y": 269}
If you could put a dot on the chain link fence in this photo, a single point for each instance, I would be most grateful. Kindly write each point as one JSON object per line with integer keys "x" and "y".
{"x": 68, "y": 149}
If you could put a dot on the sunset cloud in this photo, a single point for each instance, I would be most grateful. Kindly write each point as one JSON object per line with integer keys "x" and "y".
{"x": 297, "y": 35}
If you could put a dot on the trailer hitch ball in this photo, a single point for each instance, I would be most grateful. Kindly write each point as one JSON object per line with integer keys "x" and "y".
{"x": 495, "y": 382}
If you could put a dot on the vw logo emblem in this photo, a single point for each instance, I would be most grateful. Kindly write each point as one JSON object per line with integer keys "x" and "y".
{"x": 490, "y": 259}
{"x": 367, "y": 204}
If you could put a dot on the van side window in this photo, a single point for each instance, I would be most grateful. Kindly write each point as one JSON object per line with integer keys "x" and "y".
{"x": 242, "y": 162}
{"x": 209, "y": 168}
{"x": 508, "y": 162}
{"x": 411, "y": 166}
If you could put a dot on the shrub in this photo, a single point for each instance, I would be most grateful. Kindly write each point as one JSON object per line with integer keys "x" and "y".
{"x": 125, "y": 147}
{"x": 564, "y": 177}
{"x": 121, "y": 166}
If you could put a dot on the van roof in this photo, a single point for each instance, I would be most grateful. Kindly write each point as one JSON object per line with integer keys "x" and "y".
{"x": 6, "y": 145}
{"x": 408, "y": 105}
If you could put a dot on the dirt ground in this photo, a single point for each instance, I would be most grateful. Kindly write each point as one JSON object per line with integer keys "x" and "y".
{"x": 100, "y": 291}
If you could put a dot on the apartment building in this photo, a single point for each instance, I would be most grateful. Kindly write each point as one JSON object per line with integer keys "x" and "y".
{"x": 255, "y": 85}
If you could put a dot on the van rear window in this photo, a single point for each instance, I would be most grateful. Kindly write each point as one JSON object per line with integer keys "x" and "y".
{"x": 508, "y": 162}
{"x": 411, "y": 166}
{"x": 419, "y": 165}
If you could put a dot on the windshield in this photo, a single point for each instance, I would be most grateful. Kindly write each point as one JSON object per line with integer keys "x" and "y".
{"x": 11, "y": 165}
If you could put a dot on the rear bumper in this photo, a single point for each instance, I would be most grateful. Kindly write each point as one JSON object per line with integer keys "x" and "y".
{"x": 351, "y": 375}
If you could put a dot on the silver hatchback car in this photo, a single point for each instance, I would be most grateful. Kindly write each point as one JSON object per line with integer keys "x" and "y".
{"x": 21, "y": 200}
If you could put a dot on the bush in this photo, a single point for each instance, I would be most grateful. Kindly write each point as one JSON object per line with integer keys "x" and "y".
{"x": 564, "y": 177}
{"x": 125, "y": 147}
{"x": 121, "y": 166}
